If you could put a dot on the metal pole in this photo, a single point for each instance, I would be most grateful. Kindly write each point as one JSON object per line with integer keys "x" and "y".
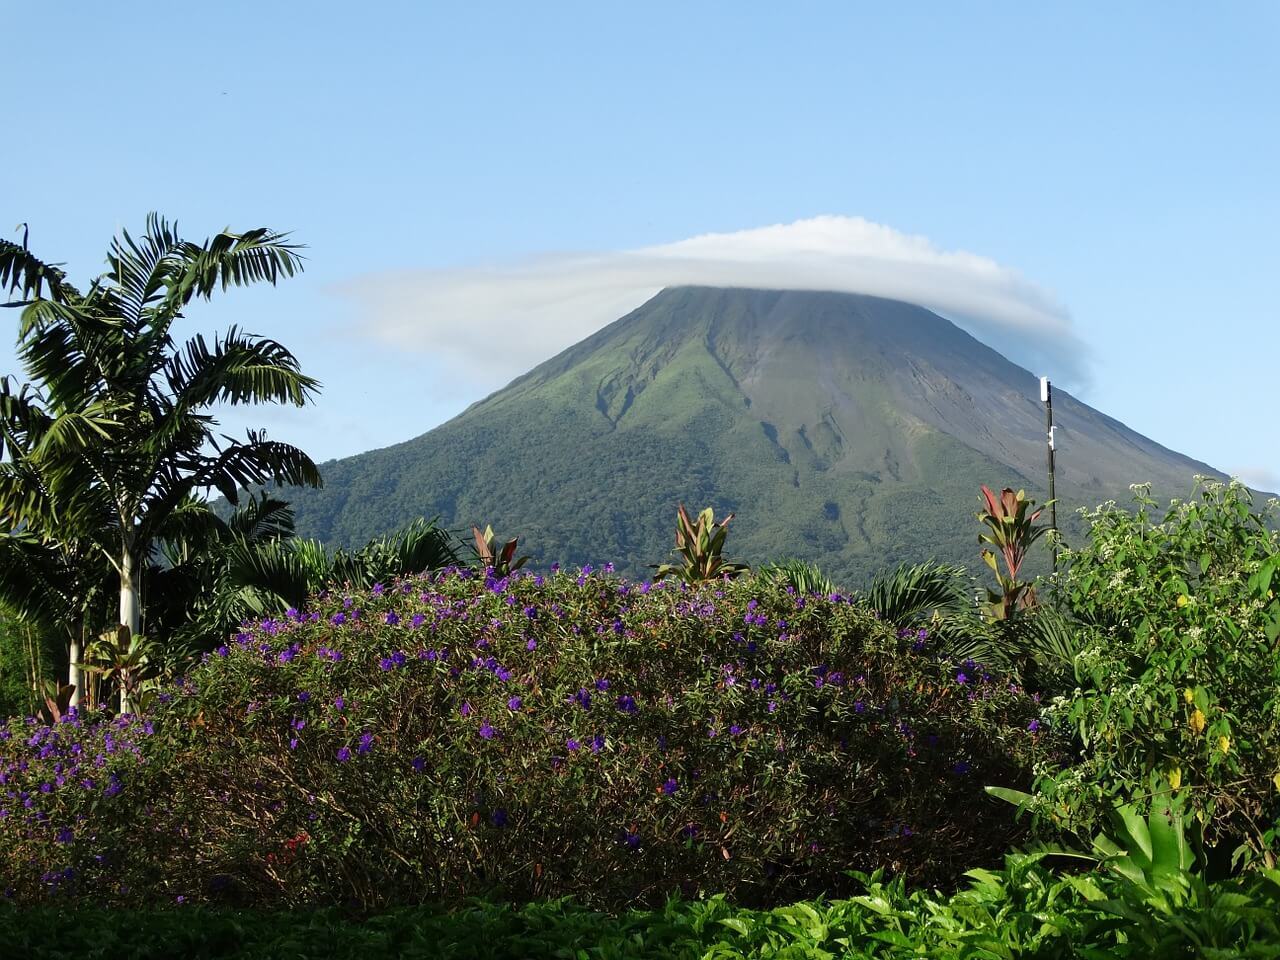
{"x": 1046, "y": 394}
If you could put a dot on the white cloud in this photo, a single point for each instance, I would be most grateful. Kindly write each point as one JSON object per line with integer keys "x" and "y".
{"x": 492, "y": 323}
{"x": 1259, "y": 478}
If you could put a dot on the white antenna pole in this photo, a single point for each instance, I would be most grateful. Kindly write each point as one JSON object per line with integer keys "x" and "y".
{"x": 1046, "y": 397}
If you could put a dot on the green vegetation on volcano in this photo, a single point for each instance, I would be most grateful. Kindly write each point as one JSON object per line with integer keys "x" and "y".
{"x": 845, "y": 429}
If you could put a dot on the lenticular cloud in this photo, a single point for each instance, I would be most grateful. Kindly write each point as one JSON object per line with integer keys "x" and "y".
{"x": 493, "y": 323}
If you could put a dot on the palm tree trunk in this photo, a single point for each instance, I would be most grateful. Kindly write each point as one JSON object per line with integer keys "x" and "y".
{"x": 74, "y": 676}
{"x": 130, "y": 614}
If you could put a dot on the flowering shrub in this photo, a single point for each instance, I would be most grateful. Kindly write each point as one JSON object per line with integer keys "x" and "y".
{"x": 78, "y": 805}
{"x": 1179, "y": 686}
{"x": 523, "y": 737}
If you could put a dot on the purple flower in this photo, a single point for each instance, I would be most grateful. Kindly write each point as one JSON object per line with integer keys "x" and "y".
{"x": 597, "y": 743}
{"x": 66, "y": 835}
{"x": 344, "y": 754}
{"x": 532, "y": 644}
{"x": 486, "y": 731}
{"x": 670, "y": 786}
{"x": 499, "y": 817}
{"x": 339, "y": 704}
{"x": 303, "y": 696}
{"x": 735, "y": 730}
{"x": 392, "y": 618}
{"x": 1034, "y": 726}
{"x": 631, "y": 839}
{"x": 602, "y": 684}
{"x": 961, "y": 678}
{"x": 465, "y": 709}
{"x": 583, "y": 698}
{"x": 418, "y": 620}
{"x": 514, "y": 704}
{"x": 378, "y": 589}
{"x": 960, "y": 768}
{"x": 366, "y": 743}
{"x": 572, "y": 745}
{"x": 338, "y": 619}
{"x": 627, "y": 704}
{"x": 419, "y": 764}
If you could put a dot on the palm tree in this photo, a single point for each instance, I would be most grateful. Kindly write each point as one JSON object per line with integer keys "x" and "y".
{"x": 52, "y": 573}
{"x": 127, "y": 409}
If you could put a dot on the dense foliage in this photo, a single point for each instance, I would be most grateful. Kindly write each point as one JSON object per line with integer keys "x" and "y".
{"x": 1178, "y": 676}
{"x": 521, "y": 737}
{"x": 1023, "y": 910}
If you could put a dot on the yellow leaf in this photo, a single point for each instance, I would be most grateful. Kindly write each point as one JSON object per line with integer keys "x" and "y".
{"x": 1276, "y": 780}
{"x": 1224, "y": 744}
{"x": 1189, "y": 695}
{"x": 1183, "y": 600}
{"x": 1197, "y": 721}
{"x": 1175, "y": 777}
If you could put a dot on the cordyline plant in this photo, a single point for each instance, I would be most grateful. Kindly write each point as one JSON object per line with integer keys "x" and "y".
{"x": 502, "y": 562}
{"x": 128, "y": 661}
{"x": 1012, "y": 532}
{"x": 700, "y": 546}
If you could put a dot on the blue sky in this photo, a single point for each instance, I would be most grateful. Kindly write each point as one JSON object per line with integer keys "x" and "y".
{"x": 1111, "y": 166}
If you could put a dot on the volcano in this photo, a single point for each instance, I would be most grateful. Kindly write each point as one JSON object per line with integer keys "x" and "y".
{"x": 846, "y": 429}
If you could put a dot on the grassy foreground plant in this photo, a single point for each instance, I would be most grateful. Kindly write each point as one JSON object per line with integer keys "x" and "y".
{"x": 1020, "y": 911}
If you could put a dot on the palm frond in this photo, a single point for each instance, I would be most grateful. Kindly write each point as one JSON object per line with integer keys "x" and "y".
{"x": 1052, "y": 638}
{"x": 262, "y": 518}
{"x": 236, "y": 467}
{"x": 415, "y": 548}
{"x": 801, "y": 576}
{"x": 28, "y": 276}
{"x": 32, "y": 583}
{"x": 70, "y": 434}
{"x": 142, "y": 270}
{"x": 236, "y": 369}
{"x": 912, "y": 592}
{"x": 288, "y": 570}
{"x": 231, "y": 259}
{"x": 71, "y": 349}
